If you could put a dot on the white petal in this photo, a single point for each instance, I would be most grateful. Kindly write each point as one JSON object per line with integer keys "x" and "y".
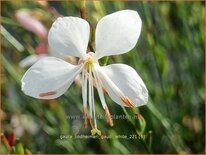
{"x": 117, "y": 33}
{"x": 69, "y": 36}
{"x": 124, "y": 85}
{"x": 30, "y": 60}
{"x": 49, "y": 78}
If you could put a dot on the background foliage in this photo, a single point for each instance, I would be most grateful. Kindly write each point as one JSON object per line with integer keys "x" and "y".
{"x": 169, "y": 57}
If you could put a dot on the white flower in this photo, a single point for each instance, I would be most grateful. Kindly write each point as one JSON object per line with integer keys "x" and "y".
{"x": 22, "y": 124}
{"x": 34, "y": 25}
{"x": 116, "y": 33}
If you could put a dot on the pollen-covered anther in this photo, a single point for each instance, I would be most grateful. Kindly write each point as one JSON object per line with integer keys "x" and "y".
{"x": 108, "y": 117}
{"x": 95, "y": 132}
{"x": 127, "y": 101}
{"x": 85, "y": 117}
{"x": 47, "y": 93}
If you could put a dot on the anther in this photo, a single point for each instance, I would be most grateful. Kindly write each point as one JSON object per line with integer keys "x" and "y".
{"x": 127, "y": 101}
{"x": 108, "y": 117}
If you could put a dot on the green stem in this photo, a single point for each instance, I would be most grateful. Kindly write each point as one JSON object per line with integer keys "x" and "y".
{"x": 10, "y": 69}
{"x": 11, "y": 39}
{"x": 83, "y": 14}
{"x": 82, "y": 9}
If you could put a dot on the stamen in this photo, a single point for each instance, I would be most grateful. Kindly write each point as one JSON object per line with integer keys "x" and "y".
{"x": 47, "y": 94}
{"x": 108, "y": 117}
{"x": 85, "y": 117}
{"x": 104, "y": 90}
{"x": 101, "y": 96}
{"x": 99, "y": 89}
{"x": 84, "y": 96}
{"x": 113, "y": 87}
{"x": 127, "y": 101}
{"x": 118, "y": 92}
{"x": 84, "y": 87}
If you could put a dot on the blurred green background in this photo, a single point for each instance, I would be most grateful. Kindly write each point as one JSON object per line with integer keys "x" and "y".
{"x": 169, "y": 57}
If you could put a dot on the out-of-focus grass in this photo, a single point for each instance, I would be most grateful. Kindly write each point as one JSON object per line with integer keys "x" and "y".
{"x": 169, "y": 57}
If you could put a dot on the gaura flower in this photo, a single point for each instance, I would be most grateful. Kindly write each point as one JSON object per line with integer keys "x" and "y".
{"x": 116, "y": 33}
{"x": 25, "y": 18}
{"x": 32, "y": 24}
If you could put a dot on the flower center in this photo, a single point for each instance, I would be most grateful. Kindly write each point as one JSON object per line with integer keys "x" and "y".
{"x": 88, "y": 61}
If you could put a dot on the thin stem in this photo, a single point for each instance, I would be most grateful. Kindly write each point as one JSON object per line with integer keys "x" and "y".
{"x": 83, "y": 14}
{"x": 82, "y": 9}
{"x": 6, "y": 143}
